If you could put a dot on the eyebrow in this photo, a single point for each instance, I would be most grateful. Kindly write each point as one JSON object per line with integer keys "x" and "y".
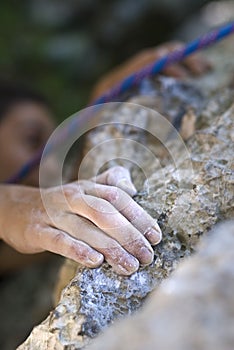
{"x": 29, "y": 124}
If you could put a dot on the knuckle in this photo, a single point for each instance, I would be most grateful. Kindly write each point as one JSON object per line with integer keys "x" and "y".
{"x": 118, "y": 169}
{"x": 134, "y": 243}
{"x": 68, "y": 190}
{"x": 58, "y": 238}
{"x": 112, "y": 194}
{"x": 79, "y": 252}
{"x": 100, "y": 207}
{"x": 73, "y": 191}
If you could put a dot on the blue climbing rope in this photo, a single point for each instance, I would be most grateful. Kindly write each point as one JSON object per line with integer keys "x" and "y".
{"x": 131, "y": 81}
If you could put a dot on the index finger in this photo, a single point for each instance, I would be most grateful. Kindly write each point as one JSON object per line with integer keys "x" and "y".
{"x": 132, "y": 211}
{"x": 105, "y": 216}
{"x": 117, "y": 176}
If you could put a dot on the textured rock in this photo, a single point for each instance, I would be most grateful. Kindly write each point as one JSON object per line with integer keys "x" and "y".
{"x": 188, "y": 190}
{"x": 193, "y": 309}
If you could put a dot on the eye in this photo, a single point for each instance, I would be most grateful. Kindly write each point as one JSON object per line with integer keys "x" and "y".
{"x": 34, "y": 140}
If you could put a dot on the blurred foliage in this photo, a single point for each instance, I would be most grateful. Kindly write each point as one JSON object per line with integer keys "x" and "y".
{"x": 62, "y": 47}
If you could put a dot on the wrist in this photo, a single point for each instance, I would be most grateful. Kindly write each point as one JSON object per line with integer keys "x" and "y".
{"x": 5, "y": 195}
{"x": 11, "y": 199}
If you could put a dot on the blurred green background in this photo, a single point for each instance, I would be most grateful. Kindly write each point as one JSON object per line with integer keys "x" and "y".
{"x": 62, "y": 47}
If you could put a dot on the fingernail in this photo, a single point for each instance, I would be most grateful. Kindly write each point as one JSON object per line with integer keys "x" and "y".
{"x": 154, "y": 235}
{"x": 127, "y": 186}
{"x": 95, "y": 258}
{"x": 128, "y": 268}
{"x": 146, "y": 255}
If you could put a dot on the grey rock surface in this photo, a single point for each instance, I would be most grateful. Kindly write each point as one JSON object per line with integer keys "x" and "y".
{"x": 189, "y": 189}
{"x": 193, "y": 309}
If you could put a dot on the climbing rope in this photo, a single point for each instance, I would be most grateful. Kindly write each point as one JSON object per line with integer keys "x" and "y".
{"x": 131, "y": 81}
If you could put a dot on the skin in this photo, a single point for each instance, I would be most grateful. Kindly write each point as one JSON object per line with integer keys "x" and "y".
{"x": 195, "y": 65}
{"x": 24, "y": 129}
{"x": 99, "y": 221}
{"x": 80, "y": 230}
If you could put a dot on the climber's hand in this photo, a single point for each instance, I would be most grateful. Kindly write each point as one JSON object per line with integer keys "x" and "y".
{"x": 195, "y": 64}
{"x": 86, "y": 221}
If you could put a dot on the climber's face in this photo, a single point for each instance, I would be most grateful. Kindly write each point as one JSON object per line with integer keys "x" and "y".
{"x": 24, "y": 130}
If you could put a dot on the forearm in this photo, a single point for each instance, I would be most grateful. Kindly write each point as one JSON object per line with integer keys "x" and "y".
{"x": 6, "y": 193}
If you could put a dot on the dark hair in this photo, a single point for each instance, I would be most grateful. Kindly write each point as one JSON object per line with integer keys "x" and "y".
{"x": 11, "y": 94}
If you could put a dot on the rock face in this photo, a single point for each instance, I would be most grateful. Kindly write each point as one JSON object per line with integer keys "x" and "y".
{"x": 193, "y": 309}
{"x": 189, "y": 189}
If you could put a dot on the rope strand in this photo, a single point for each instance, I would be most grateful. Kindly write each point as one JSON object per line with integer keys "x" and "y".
{"x": 162, "y": 63}
{"x": 129, "y": 82}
